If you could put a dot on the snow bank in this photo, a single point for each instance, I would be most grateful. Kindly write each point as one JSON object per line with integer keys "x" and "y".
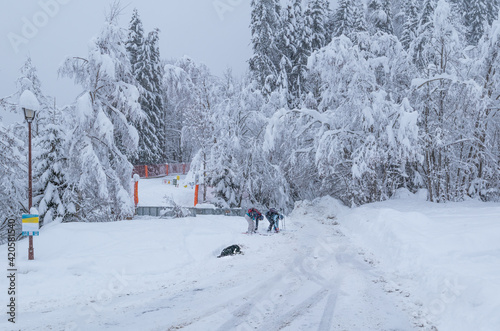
{"x": 325, "y": 210}
{"x": 446, "y": 256}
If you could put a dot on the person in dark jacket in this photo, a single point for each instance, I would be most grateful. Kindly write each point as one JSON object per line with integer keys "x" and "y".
{"x": 273, "y": 216}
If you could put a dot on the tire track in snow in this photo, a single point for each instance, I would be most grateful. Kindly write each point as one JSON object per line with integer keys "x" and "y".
{"x": 286, "y": 319}
{"x": 237, "y": 314}
{"x": 247, "y": 309}
{"x": 326, "y": 318}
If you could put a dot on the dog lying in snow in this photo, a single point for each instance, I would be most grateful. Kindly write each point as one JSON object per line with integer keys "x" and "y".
{"x": 231, "y": 250}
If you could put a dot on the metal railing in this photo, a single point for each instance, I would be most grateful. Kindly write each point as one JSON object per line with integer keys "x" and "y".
{"x": 167, "y": 211}
{"x": 158, "y": 170}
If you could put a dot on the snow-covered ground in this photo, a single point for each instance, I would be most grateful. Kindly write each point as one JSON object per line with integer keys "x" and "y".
{"x": 445, "y": 257}
{"x": 156, "y": 192}
{"x": 398, "y": 265}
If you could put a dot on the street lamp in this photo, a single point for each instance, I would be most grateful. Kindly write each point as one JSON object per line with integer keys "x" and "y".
{"x": 30, "y": 105}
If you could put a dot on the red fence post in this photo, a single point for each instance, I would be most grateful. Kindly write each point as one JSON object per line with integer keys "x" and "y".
{"x": 146, "y": 170}
{"x": 136, "y": 194}
{"x": 183, "y": 168}
{"x": 166, "y": 168}
{"x": 196, "y": 195}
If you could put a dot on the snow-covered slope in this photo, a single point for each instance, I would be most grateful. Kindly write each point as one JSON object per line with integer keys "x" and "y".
{"x": 158, "y": 191}
{"x": 395, "y": 265}
{"x": 446, "y": 256}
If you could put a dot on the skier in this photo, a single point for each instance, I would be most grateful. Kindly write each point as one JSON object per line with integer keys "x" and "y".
{"x": 253, "y": 215}
{"x": 273, "y": 216}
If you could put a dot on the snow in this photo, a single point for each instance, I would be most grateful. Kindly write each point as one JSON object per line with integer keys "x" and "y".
{"x": 84, "y": 108}
{"x": 446, "y": 256}
{"x": 107, "y": 65}
{"x": 156, "y": 192}
{"x": 394, "y": 265}
{"x": 28, "y": 100}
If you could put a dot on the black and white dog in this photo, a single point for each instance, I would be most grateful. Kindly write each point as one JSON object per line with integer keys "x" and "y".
{"x": 231, "y": 250}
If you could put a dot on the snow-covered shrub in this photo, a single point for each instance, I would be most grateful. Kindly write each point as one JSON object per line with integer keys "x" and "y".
{"x": 174, "y": 210}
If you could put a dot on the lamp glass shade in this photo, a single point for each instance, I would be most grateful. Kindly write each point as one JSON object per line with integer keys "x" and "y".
{"x": 29, "y": 114}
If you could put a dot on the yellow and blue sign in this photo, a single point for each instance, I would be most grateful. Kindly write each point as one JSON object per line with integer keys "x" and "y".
{"x": 31, "y": 225}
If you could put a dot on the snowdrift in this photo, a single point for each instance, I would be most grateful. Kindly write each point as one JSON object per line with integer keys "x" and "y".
{"x": 446, "y": 256}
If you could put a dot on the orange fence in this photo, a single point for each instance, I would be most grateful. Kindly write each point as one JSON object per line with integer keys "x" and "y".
{"x": 158, "y": 170}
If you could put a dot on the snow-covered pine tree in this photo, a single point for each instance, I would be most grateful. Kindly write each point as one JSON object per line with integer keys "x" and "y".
{"x": 423, "y": 34}
{"x": 149, "y": 75}
{"x": 135, "y": 40}
{"x": 380, "y": 16}
{"x": 29, "y": 81}
{"x": 316, "y": 20}
{"x": 49, "y": 152}
{"x": 343, "y": 22}
{"x": 283, "y": 82}
{"x": 13, "y": 173}
{"x": 13, "y": 180}
{"x": 265, "y": 26}
{"x": 50, "y": 167}
{"x": 329, "y": 28}
{"x": 478, "y": 14}
{"x": 410, "y": 25}
{"x": 492, "y": 8}
{"x": 359, "y": 15}
{"x": 301, "y": 36}
{"x": 387, "y": 8}
{"x": 289, "y": 49}
{"x": 144, "y": 54}
{"x": 102, "y": 137}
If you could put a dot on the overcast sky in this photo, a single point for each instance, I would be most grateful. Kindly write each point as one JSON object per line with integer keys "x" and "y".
{"x": 214, "y": 32}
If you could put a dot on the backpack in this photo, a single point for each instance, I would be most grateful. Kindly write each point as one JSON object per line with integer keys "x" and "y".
{"x": 272, "y": 213}
{"x": 254, "y": 213}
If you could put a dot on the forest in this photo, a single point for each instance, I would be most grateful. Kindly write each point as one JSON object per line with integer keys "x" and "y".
{"x": 353, "y": 102}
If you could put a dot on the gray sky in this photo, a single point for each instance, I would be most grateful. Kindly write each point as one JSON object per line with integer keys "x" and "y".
{"x": 214, "y": 32}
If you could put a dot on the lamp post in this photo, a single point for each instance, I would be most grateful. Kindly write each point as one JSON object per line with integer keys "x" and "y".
{"x": 30, "y": 105}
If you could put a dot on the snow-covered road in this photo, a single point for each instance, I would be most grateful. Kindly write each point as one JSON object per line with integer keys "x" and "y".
{"x": 164, "y": 275}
